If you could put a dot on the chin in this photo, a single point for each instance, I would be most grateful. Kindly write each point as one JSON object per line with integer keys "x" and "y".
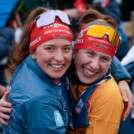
{"x": 87, "y": 81}
{"x": 57, "y": 77}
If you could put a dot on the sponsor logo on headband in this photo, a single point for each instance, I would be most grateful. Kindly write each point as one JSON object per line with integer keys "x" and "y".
{"x": 100, "y": 46}
{"x": 56, "y": 25}
{"x": 56, "y": 30}
{"x": 79, "y": 40}
{"x": 60, "y": 36}
{"x": 38, "y": 39}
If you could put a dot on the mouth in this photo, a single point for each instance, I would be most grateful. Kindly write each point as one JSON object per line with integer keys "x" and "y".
{"x": 88, "y": 72}
{"x": 57, "y": 66}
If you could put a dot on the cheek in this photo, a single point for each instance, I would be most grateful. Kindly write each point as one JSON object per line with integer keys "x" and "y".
{"x": 105, "y": 66}
{"x": 79, "y": 60}
{"x": 42, "y": 58}
{"x": 68, "y": 57}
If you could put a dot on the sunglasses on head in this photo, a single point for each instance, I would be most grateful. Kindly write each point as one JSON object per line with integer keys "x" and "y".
{"x": 99, "y": 31}
{"x": 49, "y": 17}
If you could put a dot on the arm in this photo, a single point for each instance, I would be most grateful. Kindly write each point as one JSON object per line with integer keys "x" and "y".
{"x": 73, "y": 13}
{"x": 5, "y": 107}
{"x": 127, "y": 97}
{"x": 118, "y": 71}
{"x": 2, "y": 90}
{"x": 42, "y": 116}
{"x": 120, "y": 74}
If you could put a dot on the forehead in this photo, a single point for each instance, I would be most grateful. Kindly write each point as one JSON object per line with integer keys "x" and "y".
{"x": 101, "y": 54}
{"x": 57, "y": 42}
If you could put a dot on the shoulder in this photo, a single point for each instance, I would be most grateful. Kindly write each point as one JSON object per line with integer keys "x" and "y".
{"x": 25, "y": 84}
{"x": 107, "y": 102}
{"x": 108, "y": 90}
{"x": 19, "y": 72}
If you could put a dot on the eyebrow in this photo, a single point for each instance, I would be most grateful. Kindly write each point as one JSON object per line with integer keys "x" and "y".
{"x": 68, "y": 44}
{"x": 55, "y": 45}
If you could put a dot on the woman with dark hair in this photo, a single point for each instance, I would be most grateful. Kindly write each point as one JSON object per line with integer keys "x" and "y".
{"x": 39, "y": 87}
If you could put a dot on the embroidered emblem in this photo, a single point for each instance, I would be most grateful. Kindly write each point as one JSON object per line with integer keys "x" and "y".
{"x": 58, "y": 119}
{"x": 79, "y": 106}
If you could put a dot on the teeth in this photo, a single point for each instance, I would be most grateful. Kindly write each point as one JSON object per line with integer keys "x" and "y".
{"x": 89, "y": 72}
{"x": 56, "y": 66}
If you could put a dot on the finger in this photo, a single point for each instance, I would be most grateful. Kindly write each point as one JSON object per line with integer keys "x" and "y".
{"x": 124, "y": 95}
{"x": 5, "y": 104}
{"x": 5, "y": 110}
{"x": 5, "y": 95}
{"x": 2, "y": 90}
{"x": 124, "y": 116}
{"x": 4, "y": 122}
{"x": 127, "y": 109}
{"x": 4, "y": 116}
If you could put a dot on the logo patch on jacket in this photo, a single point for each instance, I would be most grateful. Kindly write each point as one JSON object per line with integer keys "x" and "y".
{"x": 58, "y": 119}
{"x": 79, "y": 106}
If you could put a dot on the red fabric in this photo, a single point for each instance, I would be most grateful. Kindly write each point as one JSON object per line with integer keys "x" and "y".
{"x": 57, "y": 30}
{"x": 80, "y": 4}
{"x": 10, "y": 24}
{"x": 99, "y": 44}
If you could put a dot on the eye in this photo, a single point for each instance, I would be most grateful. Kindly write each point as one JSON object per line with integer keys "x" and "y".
{"x": 67, "y": 48}
{"x": 49, "y": 48}
{"x": 105, "y": 59}
{"x": 90, "y": 53}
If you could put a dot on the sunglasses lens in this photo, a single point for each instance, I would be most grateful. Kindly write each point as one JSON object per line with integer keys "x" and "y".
{"x": 64, "y": 17}
{"x": 48, "y": 18}
{"x": 99, "y": 31}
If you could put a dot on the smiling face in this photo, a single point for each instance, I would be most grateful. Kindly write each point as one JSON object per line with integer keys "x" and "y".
{"x": 91, "y": 64}
{"x": 54, "y": 57}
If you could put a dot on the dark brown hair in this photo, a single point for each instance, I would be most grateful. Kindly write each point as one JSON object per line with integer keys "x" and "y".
{"x": 20, "y": 51}
{"x": 91, "y": 16}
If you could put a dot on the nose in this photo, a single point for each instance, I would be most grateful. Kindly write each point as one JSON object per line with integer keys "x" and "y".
{"x": 95, "y": 64}
{"x": 59, "y": 56}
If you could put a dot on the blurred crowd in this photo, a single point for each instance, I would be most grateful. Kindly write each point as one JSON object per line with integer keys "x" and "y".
{"x": 120, "y": 10}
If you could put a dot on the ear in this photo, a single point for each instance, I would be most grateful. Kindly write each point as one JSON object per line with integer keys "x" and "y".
{"x": 33, "y": 55}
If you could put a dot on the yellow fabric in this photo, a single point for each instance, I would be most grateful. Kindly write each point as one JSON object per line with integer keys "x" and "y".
{"x": 100, "y": 30}
{"x": 105, "y": 111}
